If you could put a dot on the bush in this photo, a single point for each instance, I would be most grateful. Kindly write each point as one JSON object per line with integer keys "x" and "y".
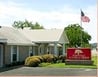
{"x": 16, "y": 63}
{"x": 27, "y": 59}
{"x": 32, "y": 62}
{"x": 40, "y": 58}
{"x": 45, "y": 57}
{"x": 50, "y": 58}
{"x": 55, "y": 58}
{"x": 8, "y": 65}
{"x": 62, "y": 58}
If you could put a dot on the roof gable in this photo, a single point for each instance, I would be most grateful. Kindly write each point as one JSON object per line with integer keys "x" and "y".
{"x": 63, "y": 38}
{"x": 43, "y": 35}
{"x": 13, "y": 36}
{"x": 29, "y": 37}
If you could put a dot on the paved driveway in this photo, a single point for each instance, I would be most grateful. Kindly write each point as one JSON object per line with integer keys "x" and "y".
{"x": 41, "y": 71}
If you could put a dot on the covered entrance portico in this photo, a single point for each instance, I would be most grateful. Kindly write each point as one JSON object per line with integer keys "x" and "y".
{"x": 56, "y": 52}
{"x": 44, "y": 37}
{"x": 50, "y": 48}
{"x": 49, "y": 41}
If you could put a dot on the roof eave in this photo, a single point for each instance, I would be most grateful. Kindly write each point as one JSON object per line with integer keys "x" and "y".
{"x": 44, "y": 41}
{"x": 22, "y": 44}
{"x": 3, "y": 40}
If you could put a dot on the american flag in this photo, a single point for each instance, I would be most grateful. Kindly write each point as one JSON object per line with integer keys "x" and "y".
{"x": 84, "y": 18}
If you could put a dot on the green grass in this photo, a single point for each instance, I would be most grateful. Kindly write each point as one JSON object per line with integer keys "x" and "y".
{"x": 44, "y": 64}
{"x": 95, "y": 59}
{"x": 63, "y": 65}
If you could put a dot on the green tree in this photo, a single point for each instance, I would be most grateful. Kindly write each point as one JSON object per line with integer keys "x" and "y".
{"x": 18, "y": 24}
{"x": 77, "y": 36}
{"x": 37, "y": 26}
{"x": 26, "y": 23}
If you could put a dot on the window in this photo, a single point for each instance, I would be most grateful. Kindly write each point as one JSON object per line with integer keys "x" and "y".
{"x": 1, "y": 55}
{"x": 14, "y": 53}
{"x": 30, "y": 51}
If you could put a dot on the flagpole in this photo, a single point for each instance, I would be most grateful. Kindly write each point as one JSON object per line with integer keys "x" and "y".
{"x": 81, "y": 29}
{"x": 83, "y": 19}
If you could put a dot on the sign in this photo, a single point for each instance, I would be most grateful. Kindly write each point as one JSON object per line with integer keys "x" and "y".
{"x": 78, "y": 54}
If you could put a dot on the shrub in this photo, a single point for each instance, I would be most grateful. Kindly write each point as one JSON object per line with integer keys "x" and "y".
{"x": 39, "y": 57}
{"x": 50, "y": 58}
{"x": 62, "y": 58}
{"x": 26, "y": 60}
{"x": 32, "y": 62}
{"x": 16, "y": 63}
{"x": 8, "y": 65}
{"x": 55, "y": 58}
{"x": 45, "y": 57}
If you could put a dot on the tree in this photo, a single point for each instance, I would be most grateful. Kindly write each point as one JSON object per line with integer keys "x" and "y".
{"x": 26, "y": 23}
{"x": 37, "y": 26}
{"x": 77, "y": 36}
{"x": 18, "y": 24}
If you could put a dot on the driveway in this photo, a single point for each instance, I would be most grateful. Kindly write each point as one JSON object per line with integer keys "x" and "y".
{"x": 41, "y": 71}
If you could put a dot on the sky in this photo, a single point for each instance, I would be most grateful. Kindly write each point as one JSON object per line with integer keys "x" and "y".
{"x": 50, "y": 13}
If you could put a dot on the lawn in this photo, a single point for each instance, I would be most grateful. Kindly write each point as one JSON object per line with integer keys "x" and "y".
{"x": 63, "y": 65}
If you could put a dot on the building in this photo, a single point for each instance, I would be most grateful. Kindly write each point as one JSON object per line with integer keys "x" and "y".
{"x": 17, "y": 44}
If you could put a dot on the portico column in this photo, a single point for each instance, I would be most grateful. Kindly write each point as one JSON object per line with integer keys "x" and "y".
{"x": 46, "y": 49}
{"x": 42, "y": 49}
{"x": 33, "y": 50}
{"x": 63, "y": 48}
{"x": 55, "y": 49}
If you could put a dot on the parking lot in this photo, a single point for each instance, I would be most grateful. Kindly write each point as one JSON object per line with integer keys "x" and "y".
{"x": 41, "y": 71}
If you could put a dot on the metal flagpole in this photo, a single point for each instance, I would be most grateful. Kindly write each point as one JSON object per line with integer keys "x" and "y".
{"x": 83, "y": 19}
{"x": 81, "y": 27}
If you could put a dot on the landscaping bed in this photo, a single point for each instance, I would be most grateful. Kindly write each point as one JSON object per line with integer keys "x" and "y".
{"x": 51, "y": 61}
{"x": 63, "y": 65}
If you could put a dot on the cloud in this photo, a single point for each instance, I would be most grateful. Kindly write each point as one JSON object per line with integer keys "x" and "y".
{"x": 91, "y": 27}
{"x": 13, "y": 11}
{"x": 49, "y": 19}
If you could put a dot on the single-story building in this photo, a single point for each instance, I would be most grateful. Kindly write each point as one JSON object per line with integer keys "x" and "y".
{"x": 17, "y": 44}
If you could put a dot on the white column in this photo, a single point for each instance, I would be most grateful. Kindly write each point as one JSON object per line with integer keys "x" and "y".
{"x": 30, "y": 50}
{"x": 47, "y": 50}
{"x": 64, "y": 49}
{"x": 11, "y": 54}
{"x": 33, "y": 50}
{"x": 39, "y": 49}
{"x": 55, "y": 49}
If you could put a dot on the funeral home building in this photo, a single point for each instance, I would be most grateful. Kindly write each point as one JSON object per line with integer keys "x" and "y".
{"x": 18, "y": 44}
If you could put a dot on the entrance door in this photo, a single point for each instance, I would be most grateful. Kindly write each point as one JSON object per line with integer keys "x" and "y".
{"x": 1, "y": 55}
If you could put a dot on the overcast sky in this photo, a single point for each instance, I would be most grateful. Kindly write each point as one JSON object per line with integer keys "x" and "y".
{"x": 50, "y": 13}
